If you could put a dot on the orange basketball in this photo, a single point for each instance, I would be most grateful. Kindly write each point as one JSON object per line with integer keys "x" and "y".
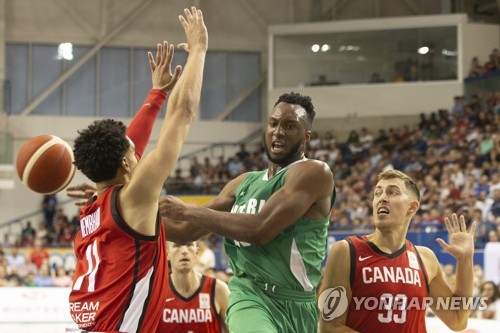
{"x": 45, "y": 164}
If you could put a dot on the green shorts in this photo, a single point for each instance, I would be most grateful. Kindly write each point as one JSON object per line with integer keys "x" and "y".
{"x": 256, "y": 308}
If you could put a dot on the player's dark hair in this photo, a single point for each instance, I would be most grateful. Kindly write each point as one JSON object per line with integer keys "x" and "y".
{"x": 99, "y": 149}
{"x": 298, "y": 99}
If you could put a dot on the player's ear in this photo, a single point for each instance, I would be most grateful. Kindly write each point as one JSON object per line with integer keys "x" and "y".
{"x": 125, "y": 165}
{"x": 307, "y": 136}
{"x": 414, "y": 206}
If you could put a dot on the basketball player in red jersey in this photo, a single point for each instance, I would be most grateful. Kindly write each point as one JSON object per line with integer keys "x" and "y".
{"x": 194, "y": 302}
{"x": 390, "y": 271}
{"x": 121, "y": 251}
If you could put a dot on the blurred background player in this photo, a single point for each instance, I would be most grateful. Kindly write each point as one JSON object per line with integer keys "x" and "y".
{"x": 194, "y": 302}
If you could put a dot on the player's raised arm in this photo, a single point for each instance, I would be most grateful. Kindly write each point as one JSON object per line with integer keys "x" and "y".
{"x": 139, "y": 129}
{"x": 461, "y": 247}
{"x": 147, "y": 180}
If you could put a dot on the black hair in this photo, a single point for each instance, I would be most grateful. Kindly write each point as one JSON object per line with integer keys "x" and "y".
{"x": 99, "y": 149}
{"x": 298, "y": 99}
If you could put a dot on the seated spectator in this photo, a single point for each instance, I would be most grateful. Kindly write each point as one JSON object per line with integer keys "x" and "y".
{"x": 495, "y": 206}
{"x": 43, "y": 277}
{"x": 478, "y": 279}
{"x": 39, "y": 254}
{"x": 475, "y": 68}
{"x": 3, "y": 276}
{"x": 16, "y": 261}
{"x": 490, "y": 291}
{"x": 206, "y": 256}
{"x": 7, "y": 241}
{"x": 60, "y": 277}
{"x": 28, "y": 232}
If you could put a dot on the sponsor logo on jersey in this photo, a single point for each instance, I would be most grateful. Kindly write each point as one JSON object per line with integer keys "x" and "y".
{"x": 84, "y": 313}
{"x": 204, "y": 301}
{"x": 412, "y": 260}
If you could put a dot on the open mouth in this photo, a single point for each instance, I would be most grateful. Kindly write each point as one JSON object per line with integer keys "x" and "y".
{"x": 277, "y": 146}
{"x": 383, "y": 211}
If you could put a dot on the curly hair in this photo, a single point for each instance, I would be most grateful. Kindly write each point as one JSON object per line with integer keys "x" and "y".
{"x": 298, "y": 99}
{"x": 99, "y": 149}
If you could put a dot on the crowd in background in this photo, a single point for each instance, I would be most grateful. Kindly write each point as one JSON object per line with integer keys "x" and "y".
{"x": 453, "y": 154}
{"x": 478, "y": 69}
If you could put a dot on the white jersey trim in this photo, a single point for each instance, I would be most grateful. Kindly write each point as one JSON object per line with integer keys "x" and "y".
{"x": 298, "y": 268}
{"x": 266, "y": 174}
{"x": 136, "y": 307}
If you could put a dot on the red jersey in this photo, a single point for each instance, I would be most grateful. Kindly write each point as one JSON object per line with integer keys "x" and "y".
{"x": 393, "y": 286}
{"x": 119, "y": 275}
{"x": 195, "y": 314}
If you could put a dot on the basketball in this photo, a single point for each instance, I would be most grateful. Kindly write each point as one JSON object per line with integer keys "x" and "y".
{"x": 45, "y": 164}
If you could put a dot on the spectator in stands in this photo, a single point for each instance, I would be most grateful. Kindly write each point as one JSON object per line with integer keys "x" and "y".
{"x": 483, "y": 186}
{"x": 39, "y": 254}
{"x": 27, "y": 232}
{"x": 365, "y": 140}
{"x": 489, "y": 290}
{"x": 458, "y": 106}
{"x": 495, "y": 206}
{"x": 42, "y": 232}
{"x": 3, "y": 276}
{"x": 234, "y": 166}
{"x": 29, "y": 280}
{"x": 475, "y": 68}
{"x": 61, "y": 277}
{"x": 14, "y": 280}
{"x": 242, "y": 153}
{"x": 315, "y": 141}
{"x": 195, "y": 168}
{"x": 49, "y": 207}
{"x": 206, "y": 256}
{"x": 43, "y": 277}
{"x": 7, "y": 241}
{"x": 16, "y": 261}
{"x": 177, "y": 184}
{"x": 66, "y": 237}
{"x": 478, "y": 279}
{"x": 493, "y": 236}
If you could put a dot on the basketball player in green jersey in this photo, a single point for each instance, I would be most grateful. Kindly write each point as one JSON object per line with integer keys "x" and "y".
{"x": 275, "y": 223}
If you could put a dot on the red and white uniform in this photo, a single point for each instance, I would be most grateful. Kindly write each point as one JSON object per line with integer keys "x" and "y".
{"x": 119, "y": 276}
{"x": 395, "y": 281}
{"x": 195, "y": 314}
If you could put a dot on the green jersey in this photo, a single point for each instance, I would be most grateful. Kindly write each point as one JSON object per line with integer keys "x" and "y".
{"x": 292, "y": 260}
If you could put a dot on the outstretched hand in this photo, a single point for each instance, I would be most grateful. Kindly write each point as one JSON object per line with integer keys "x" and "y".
{"x": 161, "y": 68}
{"x": 195, "y": 30}
{"x": 82, "y": 191}
{"x": 461, "y": 241}
{"x": 172, "y": 208}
